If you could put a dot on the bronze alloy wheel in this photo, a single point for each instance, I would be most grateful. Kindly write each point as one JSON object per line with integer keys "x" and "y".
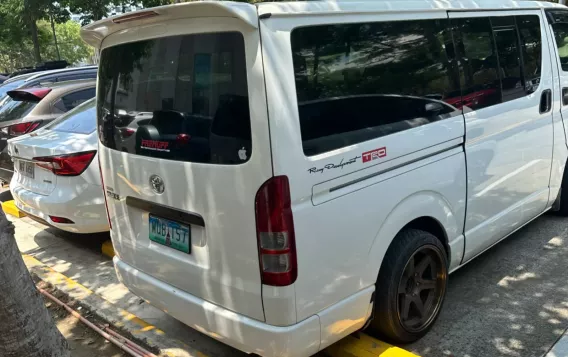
{"x": 421, "y": 289}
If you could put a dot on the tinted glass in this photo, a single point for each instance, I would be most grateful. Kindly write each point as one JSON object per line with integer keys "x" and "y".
{"x": 72, "y": 100}
{"x": 531, "y": 44}
{"x": 180, "y": 98}
{"x": 356, "y": 82}
{"x": 512, "y": 85}
{"x": 559, "y": 20}
{"x": 480, "y": 81}
{"x": 13, "y": 109}
{"x": 77, "y": 76}
{"x": 9, "y": 86}
{"x": 82, "y": 120}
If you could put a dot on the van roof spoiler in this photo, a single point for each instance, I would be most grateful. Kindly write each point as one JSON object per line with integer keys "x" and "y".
{"x": 95, "y": 33}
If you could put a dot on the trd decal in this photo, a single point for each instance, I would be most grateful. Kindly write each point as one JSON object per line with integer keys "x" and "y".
{"x": 155, "y": 145}
{"x": 374, "y": 154}
{"x": 340, "y": 165}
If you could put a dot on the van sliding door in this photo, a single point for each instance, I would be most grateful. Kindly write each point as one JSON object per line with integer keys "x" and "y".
{"x": 508, "y": 132}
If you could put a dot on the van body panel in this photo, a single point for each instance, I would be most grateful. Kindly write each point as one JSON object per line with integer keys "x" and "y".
{"x": 560, "y": 111}
{"x": 508, "y": 149}
{"x": 346, "y": 317}
{"x": 318, "y": 179}
{"x": 241, "y": 332}
{"x": 222, "y": 266}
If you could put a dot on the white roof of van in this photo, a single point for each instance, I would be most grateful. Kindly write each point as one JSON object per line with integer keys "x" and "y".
{"x": 95, "y": 33}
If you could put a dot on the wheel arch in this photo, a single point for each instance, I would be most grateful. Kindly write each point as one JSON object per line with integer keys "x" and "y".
{"x": 428, "y": 211}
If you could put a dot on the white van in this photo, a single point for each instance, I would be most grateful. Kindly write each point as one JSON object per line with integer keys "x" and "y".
{"x": 305, "y": 169}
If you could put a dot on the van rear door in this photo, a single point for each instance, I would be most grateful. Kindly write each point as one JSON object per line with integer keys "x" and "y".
{"x": 181, "y": 199}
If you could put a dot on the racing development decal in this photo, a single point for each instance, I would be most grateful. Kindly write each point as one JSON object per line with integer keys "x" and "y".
{"x": 374, "y": 154}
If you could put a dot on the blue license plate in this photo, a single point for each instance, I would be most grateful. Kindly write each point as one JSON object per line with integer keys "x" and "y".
{"x": 169, "y": 233}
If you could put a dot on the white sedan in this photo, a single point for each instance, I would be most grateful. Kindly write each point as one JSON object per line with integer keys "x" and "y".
{"x": 57, "y": 176}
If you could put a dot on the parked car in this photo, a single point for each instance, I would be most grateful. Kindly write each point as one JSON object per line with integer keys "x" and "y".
{"x": 327, "y": 188}
{"x": 28, "y": 109}
{"x": 38, "y": 78}
{"x": 3, "y": 79}
{"x": 13, "y": 83}
{"x": 57, "y": 177}
{"x": 46, "y": 66}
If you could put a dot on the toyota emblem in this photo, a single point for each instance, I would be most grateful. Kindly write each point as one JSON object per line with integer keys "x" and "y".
{"x": 157, "y": 184}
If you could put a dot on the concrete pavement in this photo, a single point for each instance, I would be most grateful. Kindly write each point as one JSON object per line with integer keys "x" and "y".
{"x": 511, "y": 301}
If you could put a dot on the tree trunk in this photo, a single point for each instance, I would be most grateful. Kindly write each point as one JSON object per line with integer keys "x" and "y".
{"x": 26, "y": 328}
{"x": 33, "y": 30}
{"x": 55, "y": 37}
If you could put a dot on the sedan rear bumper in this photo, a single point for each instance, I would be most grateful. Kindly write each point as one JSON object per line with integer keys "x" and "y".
{"x": 87, "y": 209}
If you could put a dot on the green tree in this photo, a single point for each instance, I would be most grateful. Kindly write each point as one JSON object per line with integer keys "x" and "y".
{"x": 71, "y": 48}
{"x": 19, "y": 29}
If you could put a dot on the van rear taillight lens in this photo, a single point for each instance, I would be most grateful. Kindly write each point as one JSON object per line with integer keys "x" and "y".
{"x": 23, "y": 128}
{"x": 275, "y": 233}
{"x": 66, "y": 165}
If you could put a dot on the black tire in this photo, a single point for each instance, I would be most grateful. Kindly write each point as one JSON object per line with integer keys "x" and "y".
{"x": 415, "y": 268}
{"x": 562, "y": 206}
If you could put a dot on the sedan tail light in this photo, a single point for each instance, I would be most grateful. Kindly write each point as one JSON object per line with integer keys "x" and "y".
{"x": 275, "y": 233}
{"x": 22, "y": 128}
{"x": 66, "y": 165}
{"x": 126, "y": 132}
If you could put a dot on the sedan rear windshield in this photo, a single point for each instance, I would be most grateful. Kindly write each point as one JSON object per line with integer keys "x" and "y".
{"x": 11, "y": 109}
{"x": 9, "y": 86}
{"x": 180, "y": 98}
{"x": 81, "y": 120}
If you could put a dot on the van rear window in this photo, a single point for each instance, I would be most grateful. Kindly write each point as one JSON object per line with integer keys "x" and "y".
{"x": 180, "y": 98}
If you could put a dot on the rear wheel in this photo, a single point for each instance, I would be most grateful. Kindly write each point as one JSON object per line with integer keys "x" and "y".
{"x": 411, "y": 287}
{"x": 561, "y": 206}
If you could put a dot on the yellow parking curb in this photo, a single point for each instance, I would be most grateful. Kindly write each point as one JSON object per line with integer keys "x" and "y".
{"x": 9, "y": 207}
{"x": 108, "y": 249}
{"x": 361, "y": 345}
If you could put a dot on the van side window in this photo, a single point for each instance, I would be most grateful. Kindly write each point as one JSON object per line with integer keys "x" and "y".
{"x": 506, "y": 40}
{"x": 559, "y": 22}
{"x": 531, "y": 44}
{"x": 479, "y": 73}
{"x": 500, "y": 58}
{"x": 357, "y": 82}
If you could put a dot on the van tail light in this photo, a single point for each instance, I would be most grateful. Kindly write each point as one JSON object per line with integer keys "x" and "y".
{"x": 66, "y": 165}
{"x": 22, "y": 128}
{"x": 275, "y": 233}
{"x": 104, "y": 193}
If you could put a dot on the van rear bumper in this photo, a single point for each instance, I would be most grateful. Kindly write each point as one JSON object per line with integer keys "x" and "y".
{"x": 238, "y": 331}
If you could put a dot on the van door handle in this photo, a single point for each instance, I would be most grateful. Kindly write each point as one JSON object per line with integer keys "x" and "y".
{"x": 565, "y": 96}
{"x": 545, "y": 101}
